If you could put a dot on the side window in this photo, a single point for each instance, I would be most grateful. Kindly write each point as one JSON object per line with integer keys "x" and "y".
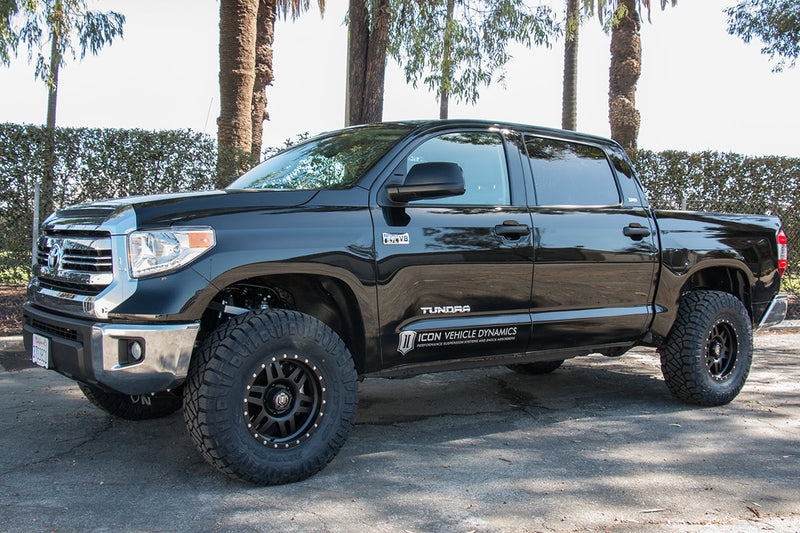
{"x": 482, "y": 158}
{"x": 566, "y": 173}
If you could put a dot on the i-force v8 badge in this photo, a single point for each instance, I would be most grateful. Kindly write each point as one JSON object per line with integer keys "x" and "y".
{"x": 396, "y": 238}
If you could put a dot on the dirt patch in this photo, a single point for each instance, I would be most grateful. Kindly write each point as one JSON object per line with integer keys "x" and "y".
{"x": 11, "y": 299}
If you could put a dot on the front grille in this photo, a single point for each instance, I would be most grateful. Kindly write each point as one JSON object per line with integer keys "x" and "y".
{"x": 73, "y": 288}
{"x": 56, "y": 331}
{"x": 81, "y": 260}
{"x": 78, "y": 262}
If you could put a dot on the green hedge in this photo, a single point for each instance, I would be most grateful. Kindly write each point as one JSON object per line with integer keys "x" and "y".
{"x": 726, "y": 182}
{"x": 93, "y": 164}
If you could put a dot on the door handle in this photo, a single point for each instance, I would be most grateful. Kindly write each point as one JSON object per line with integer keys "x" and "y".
{"x": 512, "y": 230}
{"x": 635, "y": 231}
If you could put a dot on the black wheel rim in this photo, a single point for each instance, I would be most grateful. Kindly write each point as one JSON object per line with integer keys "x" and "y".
{"x": 284, "y": 401}
{"x": 722, "y": 348}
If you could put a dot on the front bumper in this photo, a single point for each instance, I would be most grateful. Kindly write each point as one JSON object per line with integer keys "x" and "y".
{"x": 98, "y": 353}
{"x": 776, "y": 311}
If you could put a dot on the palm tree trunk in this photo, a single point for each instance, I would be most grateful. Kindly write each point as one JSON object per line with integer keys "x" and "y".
{"x": 357, "y": 49}
{"x": 569, "y": 96}
{"x": 376, "y": 64}
{"x": 366, "y": 62}
{"x": 265, "y": 34}
{"x": 237, "y": 47}
{"x": 447, "y": 72}
{"x": 626, "y": 66}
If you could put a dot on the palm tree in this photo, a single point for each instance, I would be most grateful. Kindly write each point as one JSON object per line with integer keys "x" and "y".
{"x": 237, "y": 59}
{"x": 569, "y": 96}
{"x": 245, "y": 60}
{"x": 626, "y": 65}
{"x": 268, "y": 11}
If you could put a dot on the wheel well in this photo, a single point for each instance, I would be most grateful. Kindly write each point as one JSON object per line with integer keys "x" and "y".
{"x": 724, "y": 279}
{"x": 326, "y": 299}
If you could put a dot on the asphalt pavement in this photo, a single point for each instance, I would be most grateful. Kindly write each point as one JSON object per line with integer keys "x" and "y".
{"x": 599, "y": 445}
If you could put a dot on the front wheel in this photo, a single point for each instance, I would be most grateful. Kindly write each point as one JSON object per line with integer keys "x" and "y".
{"x": 271, "y": 396}
{"x": 132, "y": 407}
{"x": 706, "y": 358}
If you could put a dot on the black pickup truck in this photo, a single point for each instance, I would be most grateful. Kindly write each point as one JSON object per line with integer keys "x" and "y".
{"x": 389, "y": 250}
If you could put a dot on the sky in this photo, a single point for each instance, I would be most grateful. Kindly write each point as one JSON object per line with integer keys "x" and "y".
{"x": 700, "y": 88}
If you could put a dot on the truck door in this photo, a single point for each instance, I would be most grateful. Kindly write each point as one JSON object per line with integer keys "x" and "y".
{"x": 594, "y": 247}
{"x": 454, "y": 274}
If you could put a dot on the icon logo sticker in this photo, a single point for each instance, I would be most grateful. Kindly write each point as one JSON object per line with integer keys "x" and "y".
{"x": 410, "y": 340}
{"x": 396, "y": 238}
{"x": 406, "y": 342}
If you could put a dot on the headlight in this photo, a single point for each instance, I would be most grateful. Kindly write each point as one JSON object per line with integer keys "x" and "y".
{"x": 153, "y": 252}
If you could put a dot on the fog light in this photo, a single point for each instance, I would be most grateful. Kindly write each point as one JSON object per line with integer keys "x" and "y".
{"x": 135, "y": 350}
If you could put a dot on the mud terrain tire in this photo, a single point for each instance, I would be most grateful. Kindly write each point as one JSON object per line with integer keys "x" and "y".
{"x": 271, "y": 397}
{"x": 706, "y": 358}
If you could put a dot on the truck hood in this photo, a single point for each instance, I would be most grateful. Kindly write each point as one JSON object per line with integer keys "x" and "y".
{"x": 167, "y": 209}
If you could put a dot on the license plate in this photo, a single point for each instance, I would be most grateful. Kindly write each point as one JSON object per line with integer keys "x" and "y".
{"x": 40, "y": 355}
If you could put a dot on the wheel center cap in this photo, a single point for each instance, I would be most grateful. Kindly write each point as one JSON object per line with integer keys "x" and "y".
{"x": 281, "y": 400}
{"x": 716, "y": 349}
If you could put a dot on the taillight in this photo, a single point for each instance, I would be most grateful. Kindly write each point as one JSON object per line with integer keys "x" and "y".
{"x": 783, "y": 252}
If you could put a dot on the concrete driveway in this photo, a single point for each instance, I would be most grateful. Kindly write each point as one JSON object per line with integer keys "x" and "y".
{"x": 597, "y": 445}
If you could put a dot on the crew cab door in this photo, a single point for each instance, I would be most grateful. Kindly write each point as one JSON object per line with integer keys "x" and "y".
{"x": 454, "y": 274}
{"x": 594, "y": 246}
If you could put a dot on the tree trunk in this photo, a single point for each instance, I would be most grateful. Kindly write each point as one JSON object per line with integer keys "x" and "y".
{"x": 569, "y": 96}
{"x": 47, "y": 188}
{"x": 366, "y": 62}
{"x": 357, "y": 48}
{"x": 376, "y": 64}
{"x": 626, "y": 66}
{"x": 447, "y": 72}
{"x": 237, "y": 46}
{"x": 265, "y": 33}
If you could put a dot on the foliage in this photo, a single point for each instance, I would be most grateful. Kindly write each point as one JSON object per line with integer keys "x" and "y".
{"x": 91, "y": 164}
{"x": 726, "y": 182}
{"x": 78, "y": 29}
{"x": 609, "y": 12}
{"x": 481, "y": 31}
{"x": 775, "y": 22}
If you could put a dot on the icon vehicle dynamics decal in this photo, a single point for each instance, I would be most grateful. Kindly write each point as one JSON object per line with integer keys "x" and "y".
{"x": 410, "y": 340}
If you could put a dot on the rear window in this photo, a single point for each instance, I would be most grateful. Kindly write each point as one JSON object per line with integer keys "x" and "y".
{"x": 567, "y": 173}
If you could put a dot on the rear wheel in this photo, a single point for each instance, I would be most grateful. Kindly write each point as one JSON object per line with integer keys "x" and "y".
{"x": 706, "y": 358}
{"x": 541, "y": 367}
{"x": 271, "y": 396}
{"x": 132, "y": 407}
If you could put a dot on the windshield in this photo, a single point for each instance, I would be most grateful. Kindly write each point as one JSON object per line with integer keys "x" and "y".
{"x": 332, "y": 161}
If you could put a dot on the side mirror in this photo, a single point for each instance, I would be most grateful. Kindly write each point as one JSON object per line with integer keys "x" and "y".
{"x": 429, "y": 180}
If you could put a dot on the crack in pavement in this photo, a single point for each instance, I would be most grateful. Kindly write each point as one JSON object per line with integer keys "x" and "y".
{"x": 93, "y": 436}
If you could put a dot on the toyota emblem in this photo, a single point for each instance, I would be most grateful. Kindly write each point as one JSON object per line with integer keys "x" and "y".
{"x": 54, "y": 257}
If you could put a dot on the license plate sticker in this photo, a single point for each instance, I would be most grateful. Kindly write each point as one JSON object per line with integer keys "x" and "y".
{"x": 40, "y": 355}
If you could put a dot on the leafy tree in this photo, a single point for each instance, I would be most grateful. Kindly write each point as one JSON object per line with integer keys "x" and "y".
{"x": 455, "y": 46}
{"x": 368, "y": 24}
{"x": 775, "y": 22}
{"x": 70, "y": 27}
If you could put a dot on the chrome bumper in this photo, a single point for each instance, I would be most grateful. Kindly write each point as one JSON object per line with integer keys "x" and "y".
{"x": 98, "y": 353}
{"x": 776, "y": 311}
